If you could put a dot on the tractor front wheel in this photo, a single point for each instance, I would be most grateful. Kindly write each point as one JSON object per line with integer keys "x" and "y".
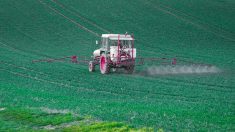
{"x": 91, "y": 66}
{"x": 104, "y": 64}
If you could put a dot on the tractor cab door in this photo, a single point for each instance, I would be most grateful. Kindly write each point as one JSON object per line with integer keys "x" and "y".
{"x": 104, "y": 44}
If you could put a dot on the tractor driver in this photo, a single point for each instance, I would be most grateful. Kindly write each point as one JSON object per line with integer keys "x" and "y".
{"x": 120, "y": 43}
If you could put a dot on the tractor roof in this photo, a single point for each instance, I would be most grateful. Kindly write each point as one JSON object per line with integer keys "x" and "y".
{"x": 115, "y": 36}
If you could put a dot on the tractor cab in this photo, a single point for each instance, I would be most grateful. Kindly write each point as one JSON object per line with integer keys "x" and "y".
{"x": 112, "y": 40}
{"x": 115, "y": 43}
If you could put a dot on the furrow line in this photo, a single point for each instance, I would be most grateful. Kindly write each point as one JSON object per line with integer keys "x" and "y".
{"x": 123, "y": 92}
{"x": 69, "y": 19}
{"x": 77, "y": 14}
{"x": 191, "y": 22}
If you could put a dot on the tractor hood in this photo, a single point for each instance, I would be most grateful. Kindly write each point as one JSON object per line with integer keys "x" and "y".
{"x": 96, "y": 53}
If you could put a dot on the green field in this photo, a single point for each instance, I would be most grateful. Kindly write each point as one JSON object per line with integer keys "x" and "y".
{"x": 44, "y": 96}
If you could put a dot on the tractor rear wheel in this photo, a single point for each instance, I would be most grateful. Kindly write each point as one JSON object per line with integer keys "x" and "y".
{"x": 130, "y": 69}
{"x": 91, "y": 66}
{"x": 104, "y": 64}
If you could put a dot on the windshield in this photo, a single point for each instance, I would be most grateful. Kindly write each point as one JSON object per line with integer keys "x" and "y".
{"x": 106, "y": 43}
{"x": 123, "y": 43}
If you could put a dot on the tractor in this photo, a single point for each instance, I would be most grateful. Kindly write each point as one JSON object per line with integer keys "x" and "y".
{"x": 116, "y": 51}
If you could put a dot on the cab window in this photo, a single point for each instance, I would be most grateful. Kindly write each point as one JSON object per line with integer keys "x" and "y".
{"x": 104, "y": 42}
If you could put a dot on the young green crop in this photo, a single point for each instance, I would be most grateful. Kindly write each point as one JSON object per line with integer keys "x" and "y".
{"x": 200, "y": 31}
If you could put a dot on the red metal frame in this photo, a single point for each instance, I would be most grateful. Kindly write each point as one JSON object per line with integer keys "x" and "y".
{"x": 118, "y": 57}
{"x": 132, "y": 45}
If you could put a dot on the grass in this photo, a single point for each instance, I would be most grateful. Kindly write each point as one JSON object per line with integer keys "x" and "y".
{"x": 105, "y": 127}
{"x": 201, "y": 31}
{"x": 36, "y": 118}
{"x": 39, "y": 120}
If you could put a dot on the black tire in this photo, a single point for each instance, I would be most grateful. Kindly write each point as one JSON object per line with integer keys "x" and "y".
{"x": 91, "y": 66}
{"x": 130, "y": 69}
{"x": 114, "y": 69}
{"x": 104, "y": 64}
